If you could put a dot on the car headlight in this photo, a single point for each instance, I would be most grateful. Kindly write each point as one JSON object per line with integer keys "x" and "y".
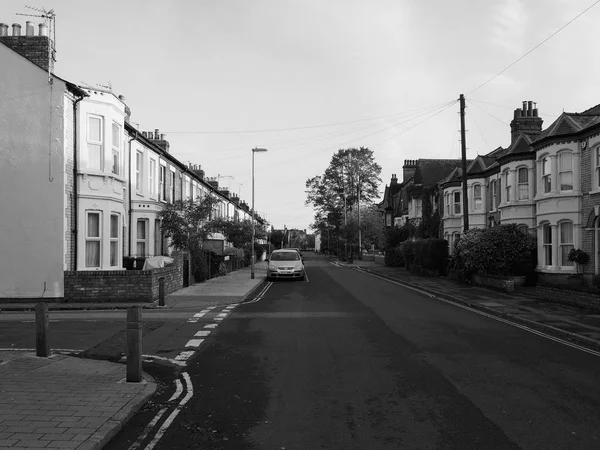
{"x": 272, "y": 267}
{"x": 298, "y": 268}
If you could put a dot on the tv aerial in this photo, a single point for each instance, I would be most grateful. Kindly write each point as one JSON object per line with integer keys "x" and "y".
{"x": 50, "y": 21}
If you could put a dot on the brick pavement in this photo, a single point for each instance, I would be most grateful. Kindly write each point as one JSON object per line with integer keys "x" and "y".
{"x": 65, "y": 402}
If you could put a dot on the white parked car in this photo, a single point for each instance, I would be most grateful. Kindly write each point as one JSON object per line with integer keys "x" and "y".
{"x": 285, "y": 263}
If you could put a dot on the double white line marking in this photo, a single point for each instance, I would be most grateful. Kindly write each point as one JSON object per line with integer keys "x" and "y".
{"x": 169, "y": 420}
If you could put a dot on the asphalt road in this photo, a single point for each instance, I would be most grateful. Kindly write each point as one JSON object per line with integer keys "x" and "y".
{"x": 345, "y": 361}
{"x": 348, "y": 361}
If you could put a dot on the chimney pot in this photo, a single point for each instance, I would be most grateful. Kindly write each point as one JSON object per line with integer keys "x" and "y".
{"x": 156, "y": 134}
{"x": 3, "y": 29}
{"x": 29, "y": 30}
{"x": 529, "y": 108}
{"x": 43, "y": 29}
{"x": 16, "y": 29}
{"x": 162, "y": 136}
{"x": 524, "y": 111}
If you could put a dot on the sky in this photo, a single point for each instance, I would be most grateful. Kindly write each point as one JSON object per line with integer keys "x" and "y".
{"x": 305, "y": 78}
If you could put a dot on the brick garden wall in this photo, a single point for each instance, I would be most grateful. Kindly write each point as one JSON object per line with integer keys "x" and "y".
{"x": 123, "y": 285}
{"x": 569, "y": 297}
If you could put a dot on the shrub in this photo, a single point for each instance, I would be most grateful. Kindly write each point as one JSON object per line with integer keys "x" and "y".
{"x": 578, "y": 256}
{"x": 394, "y": 257}
{"x": 497, "y": 250}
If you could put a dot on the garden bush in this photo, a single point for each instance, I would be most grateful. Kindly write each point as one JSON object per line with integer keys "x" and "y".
{"x": 498, "y": 251}
{"x": 394, "y": 257}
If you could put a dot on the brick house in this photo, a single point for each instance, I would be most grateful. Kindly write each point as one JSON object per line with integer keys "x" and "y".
{"x": 546, "y": 181}
{"x": 81, "y": 187}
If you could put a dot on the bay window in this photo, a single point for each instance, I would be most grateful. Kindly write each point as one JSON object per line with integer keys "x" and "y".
{"x": 152, "y": 176}
{"x": 139, "y": 161}
{"x": 547, "y": 244}
{"x": 94, "y": 143}
{"x": 162, "y": 184}
{"x": 546, "y": 175}
{"x": 566, "y": 243}
{"x": 114, "y": 240}
{"x": 523, "y": 183}
{"x": 477, "y": 200}
{"x": 92, "y": 239}
{"x": 506, "y": 177}
{"x": 116, "y": 148}
{"x": 457, "y": 203}
{"x": 566, "y": 171}
{"x": 142, "y": 237}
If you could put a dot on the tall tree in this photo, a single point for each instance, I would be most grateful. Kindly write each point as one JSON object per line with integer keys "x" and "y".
{"x": 186, "y": 222}
{"x": 352, "y": 174}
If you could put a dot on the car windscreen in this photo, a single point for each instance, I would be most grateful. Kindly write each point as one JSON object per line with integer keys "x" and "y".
{"x": 285, "y": 256}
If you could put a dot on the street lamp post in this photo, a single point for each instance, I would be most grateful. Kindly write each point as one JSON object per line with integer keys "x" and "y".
{"x": 254, "y": 150}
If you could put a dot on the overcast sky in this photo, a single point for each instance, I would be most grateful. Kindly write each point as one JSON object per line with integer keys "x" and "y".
{"x": 332, "y": 73}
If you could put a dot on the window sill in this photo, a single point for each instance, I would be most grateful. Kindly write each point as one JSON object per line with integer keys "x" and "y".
{"x": 595, "y": 191}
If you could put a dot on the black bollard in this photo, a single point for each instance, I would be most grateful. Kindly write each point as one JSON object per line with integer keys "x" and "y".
{"x": 134, "y": 344}
{"x": 42, "y": 345}
{"x": 161, "y": 291}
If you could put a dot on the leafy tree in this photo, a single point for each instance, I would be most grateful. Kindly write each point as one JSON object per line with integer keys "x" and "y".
{"x": 186, "y": 222}
{"x": 351, "y": 175}
{"x": 277, "y": 237}
{"x": 239, "y": 233}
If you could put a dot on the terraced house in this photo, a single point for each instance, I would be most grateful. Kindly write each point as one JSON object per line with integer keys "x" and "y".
{"x": 546, "y": 181}
{"x": 80, "y": 186}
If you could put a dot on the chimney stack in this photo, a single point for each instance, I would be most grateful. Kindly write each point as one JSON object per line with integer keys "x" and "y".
{"x": 36, "y": 48}
{"x": 409, "y": 168}
{"x": 525, "y": 120}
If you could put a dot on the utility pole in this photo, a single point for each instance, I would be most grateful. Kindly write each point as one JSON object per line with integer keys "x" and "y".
{"x": 463, "y": 142}
{"x": 345, "y": 217}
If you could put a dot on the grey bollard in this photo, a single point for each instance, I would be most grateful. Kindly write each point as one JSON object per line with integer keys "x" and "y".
{"x": 161, "y": 291}
{"x": 42, "y": 345}
{"x": 134, "y": 344}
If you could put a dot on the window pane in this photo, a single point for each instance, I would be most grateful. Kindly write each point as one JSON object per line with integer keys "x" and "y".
{"x": 547, "y": 184}
{"x": 477, "y": 190}
{"x": 114, "y": 226}
{"x": 523, "y": 192}
{"x": 114, "y": 253}
{"x": 115, "y": 162}
{"x": 566, "y": 181}
{"x": 141, "y": 229}
{"x": 93, "y": 225}
{"x": 523, "y": 173}
{"x": 564, "y": 255}
{"x": 566, "y": 233}
{"x": 92, "y": 254}
{"x": 95, "y": 156}
{"x": 547, "y": 234}
{"x": 141, "y": 248}
{"x": 95, "y": 129}
{"x": 566, "y": 162}
{"x": 116, "y": 135}
{"x": 546, "y": 166}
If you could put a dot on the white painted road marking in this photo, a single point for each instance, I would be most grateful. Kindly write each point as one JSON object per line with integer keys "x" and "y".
{"x": 211, "y": 325}
{"x": 202, "y": 333}
{"x": 173, "y": 415}
{"x": 194, "y": 342}
{"x": 184, "y": 356}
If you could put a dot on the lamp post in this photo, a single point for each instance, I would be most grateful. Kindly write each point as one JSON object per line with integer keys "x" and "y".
{"x": 254, "y": 150}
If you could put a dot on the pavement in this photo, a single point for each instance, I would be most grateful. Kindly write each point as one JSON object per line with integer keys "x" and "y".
{"x": 69, "y": 402}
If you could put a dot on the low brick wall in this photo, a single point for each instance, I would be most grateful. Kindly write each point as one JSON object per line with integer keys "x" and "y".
{"x": 122, "y": 285}
{"x": 504, "y": 283}
{"x": 567, "y": 296}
